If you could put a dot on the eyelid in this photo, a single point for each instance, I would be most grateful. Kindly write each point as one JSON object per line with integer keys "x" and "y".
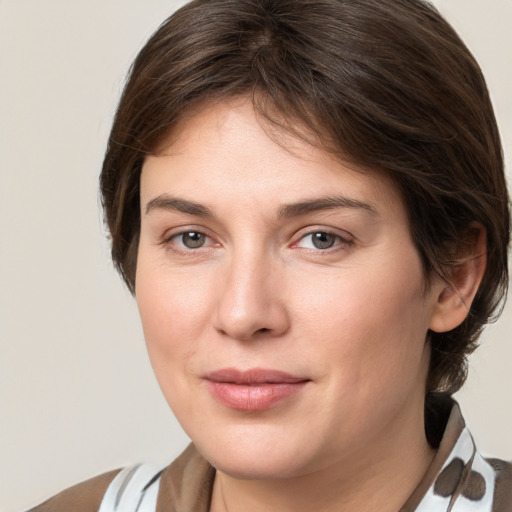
{"x": 175, "y": 232}
{"x": 345, "y": 238}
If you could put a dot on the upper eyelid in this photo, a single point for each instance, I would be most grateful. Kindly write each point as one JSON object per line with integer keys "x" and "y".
{"x": 344, "y": 235}
{"x": 180, "y": 248}
{"x": 310, "y": 230}
{"x": 342, "y": 239}
{"x": 181, "y": 230}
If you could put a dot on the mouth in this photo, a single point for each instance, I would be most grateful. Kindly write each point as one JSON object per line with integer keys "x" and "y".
{"x": 253, "y": 390}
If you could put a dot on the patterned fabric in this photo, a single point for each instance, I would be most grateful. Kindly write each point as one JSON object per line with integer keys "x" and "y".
{"x": 465, "y": 484}
{"x": 133, "y": 489}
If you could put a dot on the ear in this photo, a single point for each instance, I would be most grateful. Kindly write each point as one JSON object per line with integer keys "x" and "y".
{"x": 456, "y": 292}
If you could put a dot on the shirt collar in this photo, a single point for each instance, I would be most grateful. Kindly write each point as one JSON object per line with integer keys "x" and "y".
{"x": 459, "y": 478}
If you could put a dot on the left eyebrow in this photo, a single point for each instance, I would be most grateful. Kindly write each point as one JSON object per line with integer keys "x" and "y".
{"x": 323, "y": 203}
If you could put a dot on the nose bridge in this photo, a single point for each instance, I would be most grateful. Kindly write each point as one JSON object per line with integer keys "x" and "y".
{"x": 249, "y": 301}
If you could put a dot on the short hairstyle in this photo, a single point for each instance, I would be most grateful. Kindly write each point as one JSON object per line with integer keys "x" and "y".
{"x": 384, "y": 84}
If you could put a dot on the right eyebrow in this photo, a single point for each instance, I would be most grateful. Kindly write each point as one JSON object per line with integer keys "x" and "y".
{"x": 170, "y": 203}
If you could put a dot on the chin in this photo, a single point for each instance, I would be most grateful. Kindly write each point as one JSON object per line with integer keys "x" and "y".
{"x": 260, "y": 453}
{"x": 255, "y": 467}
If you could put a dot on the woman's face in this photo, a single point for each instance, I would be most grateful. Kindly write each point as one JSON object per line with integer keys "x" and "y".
{"x": 282, "y": 300}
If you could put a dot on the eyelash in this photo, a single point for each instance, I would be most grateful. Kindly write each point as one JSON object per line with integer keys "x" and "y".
{"x": 339, "y": 243}
{"x": 168, "y": 241}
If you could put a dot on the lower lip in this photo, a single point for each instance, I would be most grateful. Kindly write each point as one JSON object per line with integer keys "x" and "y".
{"x": 252, "y": 398}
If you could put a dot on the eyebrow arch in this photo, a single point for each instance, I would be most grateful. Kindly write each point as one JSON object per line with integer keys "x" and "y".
{"x": 166, "y": 202}
{"x": 323, "y": 203}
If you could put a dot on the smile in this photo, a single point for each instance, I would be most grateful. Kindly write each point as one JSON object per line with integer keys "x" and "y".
{"x": 252, "y": 390}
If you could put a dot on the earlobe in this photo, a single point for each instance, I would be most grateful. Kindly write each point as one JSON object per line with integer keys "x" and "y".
{"x": 455, "y": 294}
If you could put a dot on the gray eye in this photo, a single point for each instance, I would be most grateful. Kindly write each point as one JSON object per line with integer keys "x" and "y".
{"x": 322, "y": 240}
{"x": 193, "y": 239}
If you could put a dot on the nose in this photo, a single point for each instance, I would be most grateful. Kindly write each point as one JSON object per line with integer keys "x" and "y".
{"x": 251, "y": 301}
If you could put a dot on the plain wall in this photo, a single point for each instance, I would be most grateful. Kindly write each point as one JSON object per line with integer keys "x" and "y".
{"x": 77, "y": 394}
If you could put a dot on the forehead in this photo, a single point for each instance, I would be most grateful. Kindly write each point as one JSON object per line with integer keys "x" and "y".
{"x": 226, "y": 152}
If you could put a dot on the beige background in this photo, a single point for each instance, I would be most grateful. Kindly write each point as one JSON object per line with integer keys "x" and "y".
{"x": 77, "y": 395}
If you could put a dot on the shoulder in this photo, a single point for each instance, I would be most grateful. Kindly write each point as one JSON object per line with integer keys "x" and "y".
{"x": 123, "y": 489}
{"x": 83, "y": 497}
{"x": 503, "y": 485}
{"x": 188, "y": 479}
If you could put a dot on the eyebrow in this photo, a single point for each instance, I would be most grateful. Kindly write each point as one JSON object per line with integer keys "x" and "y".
{"x": 323, "y": 203}
{"x": 166, "y": 202}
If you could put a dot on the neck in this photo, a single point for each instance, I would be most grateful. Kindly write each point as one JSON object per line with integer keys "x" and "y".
{"x": 380, "y": 478}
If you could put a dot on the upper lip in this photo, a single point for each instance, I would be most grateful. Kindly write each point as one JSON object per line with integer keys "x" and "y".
{"x": 253, "y": 376}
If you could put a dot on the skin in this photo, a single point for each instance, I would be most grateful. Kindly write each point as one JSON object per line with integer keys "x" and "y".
{"x": 351, "y": 319}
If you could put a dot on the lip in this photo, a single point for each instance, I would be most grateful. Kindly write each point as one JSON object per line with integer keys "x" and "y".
{"x": 253, "y": 390}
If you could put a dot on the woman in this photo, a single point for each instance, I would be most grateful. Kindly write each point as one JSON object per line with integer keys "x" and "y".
{"x": 308, "y": 201}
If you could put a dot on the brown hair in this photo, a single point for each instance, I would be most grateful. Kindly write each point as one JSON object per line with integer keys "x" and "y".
{"x": 387, "y": 84}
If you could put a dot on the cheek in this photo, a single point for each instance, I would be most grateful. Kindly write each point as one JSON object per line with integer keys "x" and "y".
{"x": 174, "y": 310}
{"x": 370, "y": 325}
